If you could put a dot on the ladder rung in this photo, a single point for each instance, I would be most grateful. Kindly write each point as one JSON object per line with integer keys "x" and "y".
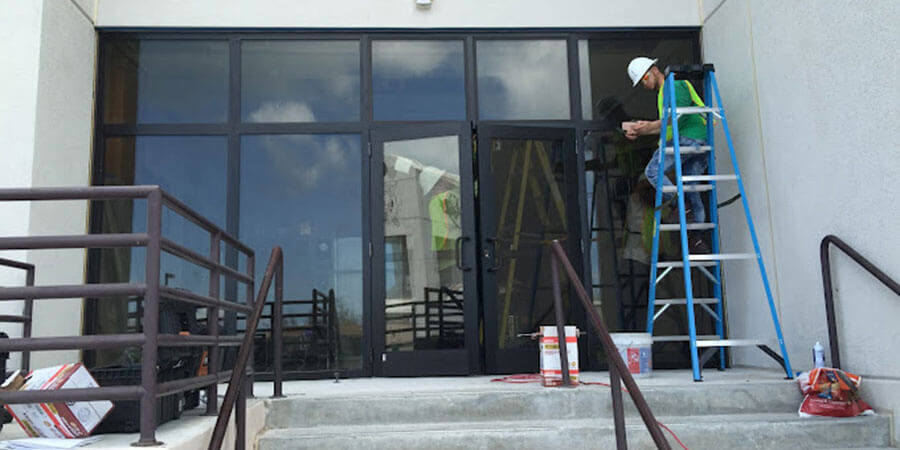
{"x": 689, "y": 188}
{"x": 729, "y": 343}
{"x": 688, "y": 149}
{"x": 696, "y": 110}
{"x": 721, "y": 256}
{"x": 681, "y": 264}
{"x": 726, "y": 177}
{"x": 686, "y": 338}
{"x": 690, "y": 226}
{"x": 683, "y": 301}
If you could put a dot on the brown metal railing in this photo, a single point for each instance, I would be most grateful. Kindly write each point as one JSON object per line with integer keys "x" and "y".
{"x": 617, "y": 369}
{"x": 829, "y": 293}
{"x": 25, "y": 317}
{"x": 237, "y": 388}
{"x": 149, "y": 339}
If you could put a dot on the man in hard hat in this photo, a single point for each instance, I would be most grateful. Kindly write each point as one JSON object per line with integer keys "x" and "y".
{"x": 691, "y": 132}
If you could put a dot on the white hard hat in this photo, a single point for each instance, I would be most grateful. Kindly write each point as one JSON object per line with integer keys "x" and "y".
{"x": 638, "y": 67}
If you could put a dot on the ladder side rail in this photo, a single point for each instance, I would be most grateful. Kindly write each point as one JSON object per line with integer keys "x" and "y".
{"x": 685, "y": 255}
{"x": 714, "y": 215}
{"x": 762, "y": 268}
{"x": 654, "y": 251}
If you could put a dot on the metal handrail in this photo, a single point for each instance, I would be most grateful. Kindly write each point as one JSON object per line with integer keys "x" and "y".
{"x": 150, "y": 339}
{"x": 236, "y": 392}
{"x": 617, "y": 368}
{"x": 824, "y": 256}
{"x": 25, "y": 317}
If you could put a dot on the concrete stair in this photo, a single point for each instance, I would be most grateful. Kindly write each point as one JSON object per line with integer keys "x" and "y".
{"x": 733, "y": 414}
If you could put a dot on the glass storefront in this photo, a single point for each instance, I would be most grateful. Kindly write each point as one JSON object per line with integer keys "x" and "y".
{"x": 269, "y": 136}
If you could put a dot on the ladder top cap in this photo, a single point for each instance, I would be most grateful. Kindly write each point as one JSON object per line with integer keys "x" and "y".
{"x": 689, "y": 71}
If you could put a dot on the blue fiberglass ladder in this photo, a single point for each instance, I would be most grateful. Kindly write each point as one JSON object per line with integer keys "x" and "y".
{"x": 709, "y": 265}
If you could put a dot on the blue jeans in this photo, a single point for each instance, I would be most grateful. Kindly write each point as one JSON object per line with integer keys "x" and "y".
{"x": 692, "y": 164}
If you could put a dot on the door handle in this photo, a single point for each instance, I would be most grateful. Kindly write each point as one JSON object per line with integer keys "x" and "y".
{"x": 458, "y": 246}
{"x": 497, "y": 262}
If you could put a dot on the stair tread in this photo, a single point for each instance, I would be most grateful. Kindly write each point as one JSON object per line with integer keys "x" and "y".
{"x": 631, "y": 421}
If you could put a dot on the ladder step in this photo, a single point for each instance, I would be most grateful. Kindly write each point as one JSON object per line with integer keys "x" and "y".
{"x": 689, "y": 188}
{"x": 726, "y": 177}
{"x": 721, "y": 256}
{"x": 696, "y": 110}
{"x": 730, "y": 343}
{"x": 683, "y": 301}
{"x": 689, "y": 149}
{"x": 686, "y": 338}
{"x": 690, "y": 226}
{"x": 681, "y": 264}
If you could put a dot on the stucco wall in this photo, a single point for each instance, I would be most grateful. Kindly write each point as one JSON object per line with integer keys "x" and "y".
{"x": 45, "y": 136}
{"x": 20, "y": 28}
{"x": 825, "y": 151}
{"x": 396, "y": 13}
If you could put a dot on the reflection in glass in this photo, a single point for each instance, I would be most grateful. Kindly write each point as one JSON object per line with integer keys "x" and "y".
{"x": 422, "y": 210}
{"x": 418, "y": 80}
{"x": 522, "y": 80}
{"x": 151, "y": 81}
{"x": 611, "y": 98}
{"x": 300, "y": 81}
{"x": 304, "y": 193}
{"x": 529, "y": 210}
{"x": 193, "y": 169}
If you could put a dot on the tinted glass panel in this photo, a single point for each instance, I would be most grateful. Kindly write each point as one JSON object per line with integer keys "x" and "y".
{"x": 522, "y": 80}
{"x": 422, "y": 221}
{"x": 418, "y": 80}
{"x": 304, "y": 193}
{"x": 300, "y": 81}
{"x": 193, "y": 169}
{"x": 166, "y": 81}
{"x": 612, "y": 100}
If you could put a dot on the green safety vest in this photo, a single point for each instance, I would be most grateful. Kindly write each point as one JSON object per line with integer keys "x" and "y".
{"x": 694, "y": 98}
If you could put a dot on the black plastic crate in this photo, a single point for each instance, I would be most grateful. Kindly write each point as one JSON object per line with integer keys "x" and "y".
{"x": 125, "y": 416}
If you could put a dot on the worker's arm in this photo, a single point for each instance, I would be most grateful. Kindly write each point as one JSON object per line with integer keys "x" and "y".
{"x": 641, "y": 128}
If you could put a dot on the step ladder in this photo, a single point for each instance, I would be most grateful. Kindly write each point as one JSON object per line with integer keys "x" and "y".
{"x": 709, "y": 265}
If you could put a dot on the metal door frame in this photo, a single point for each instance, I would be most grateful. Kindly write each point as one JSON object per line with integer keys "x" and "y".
{"x": 513, "y": 361}
{"x": 424, "y": 362}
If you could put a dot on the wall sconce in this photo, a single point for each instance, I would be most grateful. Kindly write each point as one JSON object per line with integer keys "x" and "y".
{"x": 423, "y": 4}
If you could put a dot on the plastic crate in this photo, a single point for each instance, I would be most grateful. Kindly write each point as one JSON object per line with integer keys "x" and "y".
{"x": 125, "y": 416}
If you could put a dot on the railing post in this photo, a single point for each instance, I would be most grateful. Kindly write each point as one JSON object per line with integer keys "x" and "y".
{"x": 27, "y": 311}
{"x": 150, "y": 322}
{"x": 612, "y": 354}
{"x": 240, "y": 419}
{"x": 250, "y": 377}
{"x": 277, "y": 327}
{"x": 560, "y": 323}
{"x": 212, "y": 326}
{"x": 615, "y": 386}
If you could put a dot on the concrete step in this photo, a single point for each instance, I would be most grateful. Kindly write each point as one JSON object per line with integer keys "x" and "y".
{"x": 528, "y": 402}
{"x": 732, "y": 431}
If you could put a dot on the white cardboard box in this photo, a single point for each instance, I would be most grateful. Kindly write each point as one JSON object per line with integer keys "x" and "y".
{"x": 58, "y": 419}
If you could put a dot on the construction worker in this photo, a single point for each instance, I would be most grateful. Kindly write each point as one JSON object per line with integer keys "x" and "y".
{"x": 691, "y": 132}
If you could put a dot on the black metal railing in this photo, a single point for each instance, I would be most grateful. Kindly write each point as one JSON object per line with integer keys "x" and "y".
{"x": 27, "y": 308}
{"x": 236, "y": 395}
{"x": 618, "y": 371}
{"x": 151, "y": 291}
{"x": 824, "y": 256}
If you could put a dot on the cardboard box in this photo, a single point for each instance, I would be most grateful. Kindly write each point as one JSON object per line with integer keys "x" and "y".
{"x": 58, "y": 419}
{"x": 551, "y": 372}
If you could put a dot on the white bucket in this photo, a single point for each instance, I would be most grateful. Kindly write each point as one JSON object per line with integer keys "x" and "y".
{"x": 635, "y": 350}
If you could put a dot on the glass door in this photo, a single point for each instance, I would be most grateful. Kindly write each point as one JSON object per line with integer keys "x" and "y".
{"x": 425, "y": 313}
{"x": 527, "y": 198}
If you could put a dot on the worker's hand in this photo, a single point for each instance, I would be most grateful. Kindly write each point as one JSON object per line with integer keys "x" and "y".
{"x": 630, "y": 129}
